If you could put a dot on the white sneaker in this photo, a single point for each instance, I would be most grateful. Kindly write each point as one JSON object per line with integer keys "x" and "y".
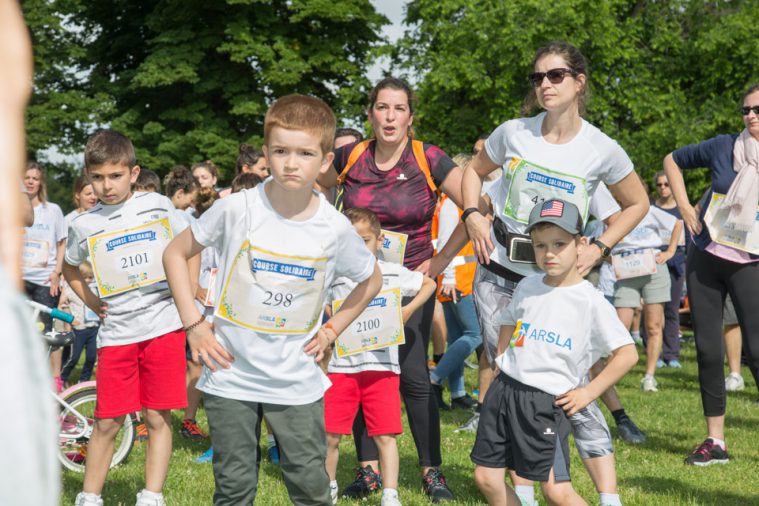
{"x": 87, "y": 499}
{"x": 333, "y": 491}
{"x": 648, "y": 384}
{"x": 734, "y": 382}
{"x": 144, "y": 499}
{"x": 390, "y": 498}
{"x": 470, "y": 425}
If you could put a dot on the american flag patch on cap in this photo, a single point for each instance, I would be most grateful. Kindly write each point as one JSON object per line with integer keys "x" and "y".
{"x": 552, "y": 208}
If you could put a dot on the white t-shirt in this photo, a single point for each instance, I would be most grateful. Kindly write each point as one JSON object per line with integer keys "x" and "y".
{"x": 142, "y": 313}
{"x": 560, "y": 332}
{"x": 270, "y": 367}
{"x": 649, "y": 233}
{"x": 41, "y": 243}
{"x": 70, "y": 217}
{"x": 535, "y": 170}
{"x": 386, "y": 359}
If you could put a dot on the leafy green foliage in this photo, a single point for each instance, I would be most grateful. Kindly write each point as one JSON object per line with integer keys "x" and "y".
{"x": 662, "y": 74}
{"x": 191, "y": 80}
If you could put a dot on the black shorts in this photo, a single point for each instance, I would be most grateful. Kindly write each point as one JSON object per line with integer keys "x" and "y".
{"x": 521, "y": 429}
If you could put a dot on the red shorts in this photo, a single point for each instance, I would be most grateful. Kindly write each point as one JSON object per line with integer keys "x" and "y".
{"x": 377, "y": 392}
{"x": 149, "y": 374}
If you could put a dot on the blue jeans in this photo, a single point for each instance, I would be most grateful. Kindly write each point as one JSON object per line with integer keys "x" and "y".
{"x": 464, "y": 337}
{"x": 85, "y": 339}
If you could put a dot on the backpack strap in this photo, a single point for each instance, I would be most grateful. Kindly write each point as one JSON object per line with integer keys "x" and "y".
{"x": 421, "y": 160}
{"x": 355, "y": 154}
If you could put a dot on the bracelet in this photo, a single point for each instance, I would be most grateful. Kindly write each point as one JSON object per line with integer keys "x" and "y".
{"x": 329, "y": 326}
{"x": 190, "y": 327}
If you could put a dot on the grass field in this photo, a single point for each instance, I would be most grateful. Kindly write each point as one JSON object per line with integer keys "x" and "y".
{"x": 651, "y": 474}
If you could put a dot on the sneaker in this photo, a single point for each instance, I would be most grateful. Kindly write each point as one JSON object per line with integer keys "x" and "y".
{"x": 648, "y": 384}
{"x": 470, "y": 425}
{"x": 734, "y": 382}
{"x": 273, "y": 454}
{"x": 191, "y": 430}
{"x": 87, "y": 499}
{"x": 437, "y": 391}
{"x": 366, "y": 482}
{"x": 333, "y": 491}
{"x": 674, "y": 364}
{"x": 390, "y": 498}
{"x": 206, "y": 457}
{"x": 706, "y": 454}
{"x": 142, "y": 432}
{"x": 471, "y": 364}
{"x": 630, "y": 432}
{"x": 463, "y": 402}
{"x": 433, "y": 484}
{"x": 660, "y": 363}
{"x": 527, "y": 502}
{"x": 153, "y": 500}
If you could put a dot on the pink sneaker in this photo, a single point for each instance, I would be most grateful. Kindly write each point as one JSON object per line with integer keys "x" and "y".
{"x": 58, "y": 384}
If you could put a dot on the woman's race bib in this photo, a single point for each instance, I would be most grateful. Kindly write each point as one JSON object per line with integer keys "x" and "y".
{"x": 210, "y": 300}
{"x": 393, "y": 248}
{"x": 273, "y": 293}
{"x": 379, "y": 326}
{"x": 36, "y": 253}
{"x": 634, "y": 263}
{"x": 531, "y": 185}
{"x": 715, "y": 217}
{"x": 129, "y": 258}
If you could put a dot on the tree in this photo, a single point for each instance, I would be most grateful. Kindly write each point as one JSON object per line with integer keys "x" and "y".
{"x": 662, "y": 74}
{"x": 191, "y": 80}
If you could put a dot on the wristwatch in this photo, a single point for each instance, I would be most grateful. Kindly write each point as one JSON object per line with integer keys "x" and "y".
{"x": 605, "y": 250}
{"x": 467, "y": 212}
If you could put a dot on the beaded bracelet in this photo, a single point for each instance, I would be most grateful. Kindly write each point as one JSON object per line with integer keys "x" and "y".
{"x": 190, "y": 327}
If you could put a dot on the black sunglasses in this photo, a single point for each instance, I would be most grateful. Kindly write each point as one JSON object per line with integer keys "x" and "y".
{"x": 747, "y": 109}
{"x": 555, "y": 76}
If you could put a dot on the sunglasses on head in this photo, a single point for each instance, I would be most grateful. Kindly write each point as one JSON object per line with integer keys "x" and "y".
{"x": 747, "y": 109}
{"x": 555, "y": 76}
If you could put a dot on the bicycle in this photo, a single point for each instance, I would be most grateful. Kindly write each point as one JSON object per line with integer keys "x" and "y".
{"x": 77, "y": 407}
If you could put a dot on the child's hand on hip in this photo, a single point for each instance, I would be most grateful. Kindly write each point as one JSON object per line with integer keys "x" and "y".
{"x": 206, "y": 348}
{"x": 574, "y": 400}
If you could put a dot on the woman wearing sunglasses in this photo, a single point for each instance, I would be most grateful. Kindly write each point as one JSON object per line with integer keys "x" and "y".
{"x": 556, "y": 154}
{"x": 722, "y": 260}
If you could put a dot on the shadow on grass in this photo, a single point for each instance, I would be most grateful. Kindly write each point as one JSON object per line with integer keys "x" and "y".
{"x": 668, "y": 487}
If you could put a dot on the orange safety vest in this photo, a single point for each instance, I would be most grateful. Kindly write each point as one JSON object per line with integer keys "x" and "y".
{"x": 421, "y": 160}
{"x": 465, "y": 263}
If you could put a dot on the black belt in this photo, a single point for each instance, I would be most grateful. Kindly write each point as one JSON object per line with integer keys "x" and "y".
{"x": 501, "y": 271}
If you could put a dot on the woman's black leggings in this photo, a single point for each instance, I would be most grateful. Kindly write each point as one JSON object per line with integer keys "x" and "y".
{"x": 709, "y": 279}
{"x": 421, "y": 406}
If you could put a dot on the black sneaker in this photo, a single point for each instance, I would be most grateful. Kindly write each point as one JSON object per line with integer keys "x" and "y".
{"x": 437, "y": 391}
{"x": 706, "y": 454}
{"x": 630, "y": 432}
{"x": 463, "y": 402}
{"x": 366, "y": 482}
{"x": 433, "y": 484}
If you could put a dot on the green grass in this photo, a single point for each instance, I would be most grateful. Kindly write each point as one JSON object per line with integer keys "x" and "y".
{"x": 649, "y": 474}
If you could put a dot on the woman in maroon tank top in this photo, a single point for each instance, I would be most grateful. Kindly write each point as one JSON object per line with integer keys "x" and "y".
{"x": 387, "y": 179}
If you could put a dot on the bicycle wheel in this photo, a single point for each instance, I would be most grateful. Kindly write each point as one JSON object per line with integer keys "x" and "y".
{"x": 74, "y": 434}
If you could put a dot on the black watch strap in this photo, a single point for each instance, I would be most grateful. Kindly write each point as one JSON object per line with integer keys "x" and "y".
{"x": 467, "y": 212}
{"x": 605, "y": 250}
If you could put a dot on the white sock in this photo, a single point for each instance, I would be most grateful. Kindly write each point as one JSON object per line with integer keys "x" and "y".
{"x": 649, "y": 375}
{"x": 90, "y": 496}
{"x": 718, "y": 442}
{"x": 147, "y": 494}
{"x": 610, "y": 499}
{"x": 635, "y": 335}
{"x": 333, "y": 484}
{"x": 526, "y": 492}
{"x": 271, "y": 440}
{"x": 389, "y": 492}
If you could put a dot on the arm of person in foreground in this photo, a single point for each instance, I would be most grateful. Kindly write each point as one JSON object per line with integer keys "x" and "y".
{"x": 353, "y": 306}
{"x": 622, "y": 360}
{"x": 177, "y": 265}
{"x": 424, "y": 293}
{"x": 15, "y": 87}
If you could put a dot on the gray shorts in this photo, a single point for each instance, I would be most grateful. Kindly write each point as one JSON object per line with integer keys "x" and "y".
{"x": 653, "y": 289}
{"x": 728, "y": 316}
{"x": 491, "y": 294}
{"x": 592, "y": 435}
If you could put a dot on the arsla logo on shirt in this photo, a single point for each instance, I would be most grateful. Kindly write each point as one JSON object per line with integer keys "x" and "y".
{"x": 524, "y": 330}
